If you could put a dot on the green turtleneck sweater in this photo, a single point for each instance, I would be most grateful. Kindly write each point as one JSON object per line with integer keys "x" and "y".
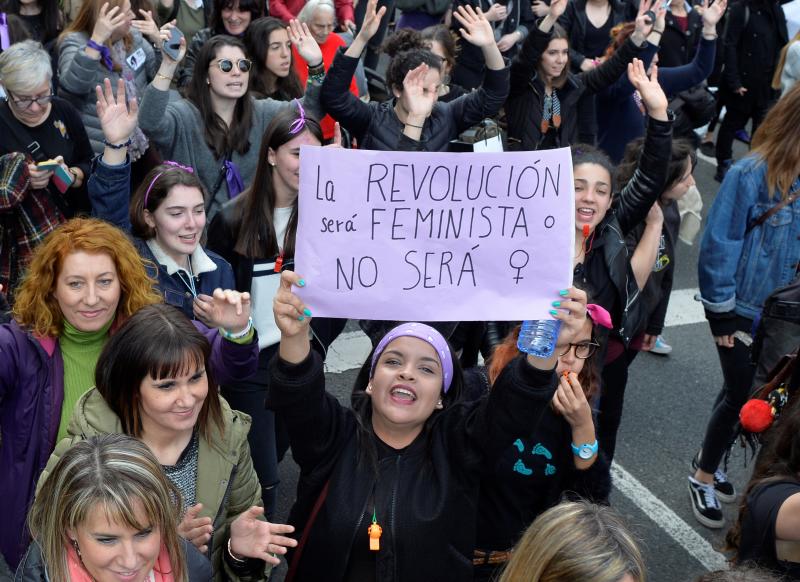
{"x": 80, "y": 351}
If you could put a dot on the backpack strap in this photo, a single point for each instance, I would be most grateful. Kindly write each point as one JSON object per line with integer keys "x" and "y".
{"x": 772, "y": 211}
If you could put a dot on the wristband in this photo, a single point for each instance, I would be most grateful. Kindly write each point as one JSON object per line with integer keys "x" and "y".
{"x": 240, "y": 334}
{"x": 105, "y": 53}
{"x": 232, "y": 557}
{"x": 117, "y": 146}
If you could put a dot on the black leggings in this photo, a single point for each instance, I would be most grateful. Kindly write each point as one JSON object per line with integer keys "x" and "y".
{"x": 737, "y": 372}
{"x": 612, "y": 396}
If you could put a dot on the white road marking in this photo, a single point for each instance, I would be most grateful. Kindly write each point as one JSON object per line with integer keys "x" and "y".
{"x": 680, "y": 531}
{"x": 707, "y": 159}
{"x": 683, "y": 309}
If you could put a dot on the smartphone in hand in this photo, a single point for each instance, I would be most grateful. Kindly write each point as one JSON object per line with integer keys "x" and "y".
{"x": 172, "y": 46}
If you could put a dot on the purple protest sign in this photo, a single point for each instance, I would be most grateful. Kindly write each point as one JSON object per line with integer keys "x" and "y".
{"x": 434, "y": 236}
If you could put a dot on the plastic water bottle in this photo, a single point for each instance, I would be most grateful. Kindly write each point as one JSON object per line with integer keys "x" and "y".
{"x": 538, "y": 337}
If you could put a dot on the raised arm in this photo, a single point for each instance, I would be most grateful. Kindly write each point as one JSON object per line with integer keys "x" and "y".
{"x": 523, "y": 65}
{"x": 646, "y": 252}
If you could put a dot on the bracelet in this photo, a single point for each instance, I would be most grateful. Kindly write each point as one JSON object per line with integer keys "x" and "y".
{"x": 654, "y": 31}
{"x": 711, "y": 38}
{"x": 234, "y": 558}
{"x": 412, "y": 125}
{"x": 164, "y": 77}
{"x": 240, "y": 334}
{"x": 117, "y": 146}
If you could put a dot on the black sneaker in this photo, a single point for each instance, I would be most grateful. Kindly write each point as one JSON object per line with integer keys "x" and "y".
{"x": 722, "y": 168}
{"x": 725, "y": 490}
{"x": 705, "y": 506}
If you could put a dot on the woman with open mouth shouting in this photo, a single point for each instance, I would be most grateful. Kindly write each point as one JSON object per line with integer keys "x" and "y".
{"x": 389, "y": 487}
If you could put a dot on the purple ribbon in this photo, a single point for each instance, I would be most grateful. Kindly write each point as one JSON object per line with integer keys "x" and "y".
{"x": 234, "y": 179}
{"x": 4, "y": 40}
{"x": 299, "y": 123}
{"x": 105, "y": 53}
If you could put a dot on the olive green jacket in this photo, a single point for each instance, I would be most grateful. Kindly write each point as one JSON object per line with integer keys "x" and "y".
{"x": 227, "y": 484}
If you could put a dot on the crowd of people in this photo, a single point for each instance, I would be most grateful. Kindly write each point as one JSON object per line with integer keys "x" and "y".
{"x": 156, "y": 362}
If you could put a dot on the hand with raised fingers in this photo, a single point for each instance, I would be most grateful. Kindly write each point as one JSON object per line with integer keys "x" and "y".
{"x": 372, "y": 20}
{"x": 226, "y": 309}
{"x": 337, "y": 136}
{"x": 571, "y": 312}
{"x": 712, "y": 14}
{"x": 118, "y": 118}
{"x": 291, "y": 314}
{"x": 304, "y": 42}
{"x": 653, "y": 97}
{"x": 108, "y": 19}
{"x": 475, "y": 28}
{"x": 420, "y": 97}
{"x": 252, "y": 537}
{"x": 645, "y": 21}
{"x": 194, "y": 529}
{"x": 147, "y": 26}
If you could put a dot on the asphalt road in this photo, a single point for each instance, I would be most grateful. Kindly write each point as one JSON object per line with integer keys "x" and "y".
{"x": 667, "y": 404}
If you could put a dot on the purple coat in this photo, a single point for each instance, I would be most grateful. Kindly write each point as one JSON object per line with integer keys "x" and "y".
{"x": 31, "y": 396}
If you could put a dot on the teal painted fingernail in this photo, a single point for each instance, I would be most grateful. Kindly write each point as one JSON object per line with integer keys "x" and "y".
{"x": 301, "y": 283}
{"x": 307, "y": 311}
{"x": 564, "y": 292}
{"x": 301, "y": 318}
{"x": 553, "y": 312}
{"x": 556, "y": 303}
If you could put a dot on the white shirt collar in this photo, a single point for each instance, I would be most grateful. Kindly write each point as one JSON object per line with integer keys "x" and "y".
{"x": 201, "y": 263}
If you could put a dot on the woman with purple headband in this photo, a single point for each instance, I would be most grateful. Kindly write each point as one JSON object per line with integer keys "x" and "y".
{"x": 388, "y": 488}
{"x": 166, "y": 214}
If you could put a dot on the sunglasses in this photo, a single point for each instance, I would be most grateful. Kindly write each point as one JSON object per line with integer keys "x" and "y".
{"x": 27, "y": 102}
{"x": 226, "y": 65}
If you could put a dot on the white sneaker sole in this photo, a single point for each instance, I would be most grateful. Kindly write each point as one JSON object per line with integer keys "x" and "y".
{"x": 709, "y": 523}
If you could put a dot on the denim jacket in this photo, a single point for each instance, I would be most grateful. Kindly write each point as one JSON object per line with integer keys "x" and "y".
{"x": 737, "y": 269}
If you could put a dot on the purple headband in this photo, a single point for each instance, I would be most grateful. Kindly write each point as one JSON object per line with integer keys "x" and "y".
{"x": 157, "y": 176}
{"x": 427, "y": 334}
{"x": 4, "y": 40}
{"x": 299, "y": 123}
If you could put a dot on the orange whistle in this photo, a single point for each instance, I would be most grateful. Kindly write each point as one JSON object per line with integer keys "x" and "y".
{"x": 375, "y": 532}
{"x": 585, "y": 231}
{"x": 279, "y": 263}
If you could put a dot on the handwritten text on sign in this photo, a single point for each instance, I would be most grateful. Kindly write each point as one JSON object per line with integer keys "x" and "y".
{"x": 434, "y": 236}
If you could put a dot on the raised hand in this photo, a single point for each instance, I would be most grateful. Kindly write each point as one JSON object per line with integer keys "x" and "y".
{"x": 164, "y": 35}
{"x": 572, "y": 314}
{"x": 337, "y": 136}
{"x": 305, "y": 44}
{"x": 228, "y": 309}
{"x": 420, "y": 98}
{"x": 474, "y": 27}
{"x": 117, "y": 117}
{"x": 372, "y": 20}
{"x": 653, "y": 97}
{"x": 196, "y": 530}
{"x": 557, "y": 8}
{"x": 645, "y": 20}
{"x": 254, "y": 538}
{"x": 291, "y": 314}
{"x": 713, "y": 13}
{"x": 107, "y": 21}
{"x": 496, "y": 12}
{"x": 147, "y": 26}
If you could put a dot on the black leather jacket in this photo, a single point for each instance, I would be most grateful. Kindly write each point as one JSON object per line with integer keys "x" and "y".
{"x": 606, "y": 272}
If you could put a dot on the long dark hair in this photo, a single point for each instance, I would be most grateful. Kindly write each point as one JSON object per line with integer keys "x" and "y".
{"x": 256, "y": 205}
{"x": 222, "y": 140}
{"x": 218, "y": 25}
{"x": 264, "y": 82}
{"x": 681, "y": 150}
{"x": 557, "y": 33}
{"x": 157, "y": 341}
{"x": 779, "y": 461}
{"x": 361, "y": 403}
{"x": 52, "y": 19}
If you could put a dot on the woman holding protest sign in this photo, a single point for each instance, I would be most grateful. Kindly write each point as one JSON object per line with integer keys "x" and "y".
{"x": 391, "y": 484}
{"x": 414, "y": 112}
{"x": 256, "y": 232}
{"x": 542, "y": 106}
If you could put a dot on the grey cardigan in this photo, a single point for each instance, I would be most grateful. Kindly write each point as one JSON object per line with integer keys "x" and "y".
{"x": 78, "y": 75}
{"x": 176, "y": 128}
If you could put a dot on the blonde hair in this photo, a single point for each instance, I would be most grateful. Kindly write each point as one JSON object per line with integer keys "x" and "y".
{"x": 776, "y": 78}
{"x": 35, "y": 307}
{"x": 113, "y": 472}
{"x": 576, "y": 542}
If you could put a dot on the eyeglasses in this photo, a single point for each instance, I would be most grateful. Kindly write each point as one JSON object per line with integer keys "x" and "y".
{"x": 26, "y": 102}
{"x": 583, "y": 350}
{"x": 226, "y": 65}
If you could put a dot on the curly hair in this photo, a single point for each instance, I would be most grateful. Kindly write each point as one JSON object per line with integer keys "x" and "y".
{"x": 35, "y": 307}
{"x": 408, "y": 50}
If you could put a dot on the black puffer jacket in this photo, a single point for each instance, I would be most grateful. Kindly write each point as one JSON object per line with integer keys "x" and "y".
{"x": 375, "y": 125}
{"x": 606, "y": 272}
{"x": 424, "y": 496}
{"x": 526, "y": 99}
{"x": 33, "y": 569}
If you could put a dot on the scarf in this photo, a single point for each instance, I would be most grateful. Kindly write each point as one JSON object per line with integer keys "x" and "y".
{"x": 161, "y": 572}
{"x": 551, "y": 110}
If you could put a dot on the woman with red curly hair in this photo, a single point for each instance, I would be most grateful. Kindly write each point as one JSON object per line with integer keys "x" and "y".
{"x": 82, "y": 283}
